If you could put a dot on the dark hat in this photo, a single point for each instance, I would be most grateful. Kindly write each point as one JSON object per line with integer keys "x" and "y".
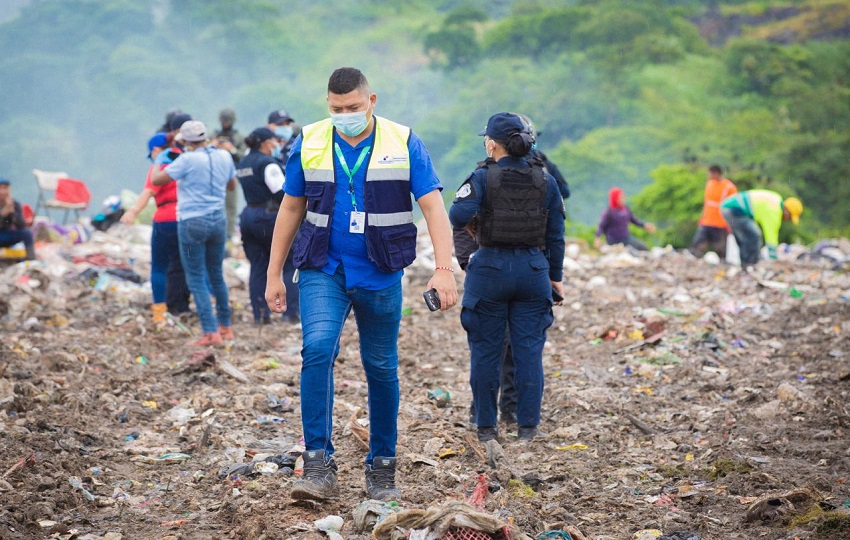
{"x": 178, "y": 121}
{"x": 227, "y": 114}
{"x": 280, "y": 116}
{"x": 159, "y": 140}
{"x": 500, "y": 126}
{"x": 4, "y": 182}
{"x": 262, "y": 134}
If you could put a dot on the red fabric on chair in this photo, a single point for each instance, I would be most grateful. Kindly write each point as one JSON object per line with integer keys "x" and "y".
{"x": 29, "y": 215}
{"x": 69, "y": 190}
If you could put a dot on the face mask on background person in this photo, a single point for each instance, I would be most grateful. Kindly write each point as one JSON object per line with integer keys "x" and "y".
{"x": 276, "y": 151}
{"x": 284, "y": 132}
{"x": 350, "y": 124}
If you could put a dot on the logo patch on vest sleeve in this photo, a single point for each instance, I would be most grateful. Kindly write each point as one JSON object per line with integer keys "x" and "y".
{"x": 464, "y": 191}
{"x": 391, "y": 160}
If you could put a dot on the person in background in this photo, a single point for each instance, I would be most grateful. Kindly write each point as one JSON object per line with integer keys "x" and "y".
{"x": 168, "y": 282}
{"x": 203, "y": 175}
{"x": 283, "y": 127}
{"x": 615, "y": 223}
{"x": 515, "y": 209}
{"x": 13, "y": 228}
{"x": 550, "y": 167}
{"x": 712, "y": 229}
{"x": 349, "y": 182}
{"x": 175, "y": 147}
{"x": 262, "y": 184}
{"x": 756, "y": 210}
{"x": 228, "y": 138}
{"x": 169, "y": 116}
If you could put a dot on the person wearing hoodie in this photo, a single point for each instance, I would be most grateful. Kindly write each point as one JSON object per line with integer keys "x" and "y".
{"x": 615, "y": 223}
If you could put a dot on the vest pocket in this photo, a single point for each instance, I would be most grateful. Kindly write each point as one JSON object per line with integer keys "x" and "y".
{"x": 396, "y": 246}
{"x": 301, "y": 245}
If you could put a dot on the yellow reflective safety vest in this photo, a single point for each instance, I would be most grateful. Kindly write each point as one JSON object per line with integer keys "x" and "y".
{"x": 390, "y": 231}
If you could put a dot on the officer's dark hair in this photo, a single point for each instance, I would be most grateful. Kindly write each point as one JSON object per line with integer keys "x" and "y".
{"x": 716, "y": 169}
{"x": 253, "y": 141}
{"x": 347, "y": 79}
{"x": 518, "y": 144}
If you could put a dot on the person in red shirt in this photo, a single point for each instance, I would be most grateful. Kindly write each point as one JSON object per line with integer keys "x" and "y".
{"x": 712, "y": 230}
{"x": 168, "y": 283}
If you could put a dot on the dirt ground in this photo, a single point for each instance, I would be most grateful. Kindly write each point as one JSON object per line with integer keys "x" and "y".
{"x": 677, "y": 394}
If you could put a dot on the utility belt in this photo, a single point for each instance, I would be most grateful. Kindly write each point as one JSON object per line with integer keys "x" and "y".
{"x": 515, "y": 250}
{"x": 270, "y": 205}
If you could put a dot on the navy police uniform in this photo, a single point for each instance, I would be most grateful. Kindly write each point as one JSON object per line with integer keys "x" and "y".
{"x": 256, "y": 173}
{"x": 519, "y": 219}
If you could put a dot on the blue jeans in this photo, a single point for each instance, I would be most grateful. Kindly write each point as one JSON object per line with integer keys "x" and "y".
{"x": 202, "y": 253}
{"x": 747, "y": 235}
{"x": 257, "y": 226}
{"x": 10, "y": 238}
{"x": 168, "y": 283}
{"x": 325, "y": 304}
{"x": 507, "y": 288}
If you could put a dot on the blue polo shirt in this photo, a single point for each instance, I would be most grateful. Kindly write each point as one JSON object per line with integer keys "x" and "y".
{"x": 202, "y": 177}
{"x": 346, "y": 248}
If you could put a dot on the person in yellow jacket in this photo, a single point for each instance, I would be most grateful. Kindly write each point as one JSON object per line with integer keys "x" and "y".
{"x": 749, "y": 211}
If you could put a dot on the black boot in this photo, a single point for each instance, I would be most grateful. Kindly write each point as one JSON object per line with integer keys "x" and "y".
{"x": 319, "y": 481}
{"x": 380, "y": 480}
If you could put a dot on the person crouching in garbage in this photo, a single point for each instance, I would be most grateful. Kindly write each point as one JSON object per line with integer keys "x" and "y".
{"x": 758, "y": 212}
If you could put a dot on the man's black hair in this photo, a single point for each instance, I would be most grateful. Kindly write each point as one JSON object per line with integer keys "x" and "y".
{"x": 716, "y": 169}
{"x": 345, "y": 80}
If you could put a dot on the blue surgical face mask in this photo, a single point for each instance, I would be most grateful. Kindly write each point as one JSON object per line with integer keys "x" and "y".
{"x": 284, "y": 132}
{"x": 276, "y": 151}
{"x": 350, "y": 124}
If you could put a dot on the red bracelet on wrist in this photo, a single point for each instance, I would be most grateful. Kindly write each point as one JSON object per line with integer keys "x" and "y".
{"x": 449, "y": 268}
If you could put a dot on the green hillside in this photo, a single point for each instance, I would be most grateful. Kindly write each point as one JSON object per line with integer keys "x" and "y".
{"x": 625, "y": 93}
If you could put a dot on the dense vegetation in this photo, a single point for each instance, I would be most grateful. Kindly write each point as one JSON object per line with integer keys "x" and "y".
{"x": 643, "y": 95}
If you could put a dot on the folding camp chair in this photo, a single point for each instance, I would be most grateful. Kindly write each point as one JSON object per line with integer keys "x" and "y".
{"x": 67, "y": 193}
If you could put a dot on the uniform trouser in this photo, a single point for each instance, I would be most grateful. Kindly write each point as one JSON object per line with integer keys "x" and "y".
{"x": 709, "y": 239}
{"x": 507, "y": 388}
{"x": 507, "y": 288}
{"x": 747, "y": 235}
{"x": 231, "y": 203}
{"x": 257, "y": 227}
{"x": 168, "y": 283}
{"x": 326, "y": 303}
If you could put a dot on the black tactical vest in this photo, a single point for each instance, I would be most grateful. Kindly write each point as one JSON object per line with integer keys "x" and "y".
{"x": 514, "y": 210}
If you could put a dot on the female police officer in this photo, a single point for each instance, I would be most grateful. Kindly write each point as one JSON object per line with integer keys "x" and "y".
{"x": 262, "y": 180}
{"x": 514, "y": 209}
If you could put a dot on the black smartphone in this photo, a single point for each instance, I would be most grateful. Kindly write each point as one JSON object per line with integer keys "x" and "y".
{"x": 556, "y": 297}
{"x": 432, "y": 299}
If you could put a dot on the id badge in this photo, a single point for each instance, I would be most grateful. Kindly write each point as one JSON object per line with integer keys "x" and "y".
{"x": 358, "y": 223}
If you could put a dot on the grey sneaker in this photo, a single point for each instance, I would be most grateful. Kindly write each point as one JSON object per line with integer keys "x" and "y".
{"x": 319, "y": 480}
{"x": 380, "y": 480}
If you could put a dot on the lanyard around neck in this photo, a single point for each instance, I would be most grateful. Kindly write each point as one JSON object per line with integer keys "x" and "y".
{"x": 350, "y": 173}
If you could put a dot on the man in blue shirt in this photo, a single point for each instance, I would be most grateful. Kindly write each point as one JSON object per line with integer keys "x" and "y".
{"x": 350, "y": 179}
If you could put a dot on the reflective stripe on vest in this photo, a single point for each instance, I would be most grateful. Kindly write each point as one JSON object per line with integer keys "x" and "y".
{"x": 390, "y": 161}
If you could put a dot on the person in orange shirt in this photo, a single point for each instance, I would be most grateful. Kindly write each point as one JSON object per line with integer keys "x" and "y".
{"x": 713, "y": 229}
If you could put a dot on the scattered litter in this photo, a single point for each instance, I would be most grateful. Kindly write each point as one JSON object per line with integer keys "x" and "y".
{"x": 371, "y": 512}
{"x": 331, "y": 526}
{"x": 77, "y": 484}
{"x": 440, "y": 397}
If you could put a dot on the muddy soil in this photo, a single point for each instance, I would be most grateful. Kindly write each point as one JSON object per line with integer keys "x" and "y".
{"x": 677, "y": 394}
